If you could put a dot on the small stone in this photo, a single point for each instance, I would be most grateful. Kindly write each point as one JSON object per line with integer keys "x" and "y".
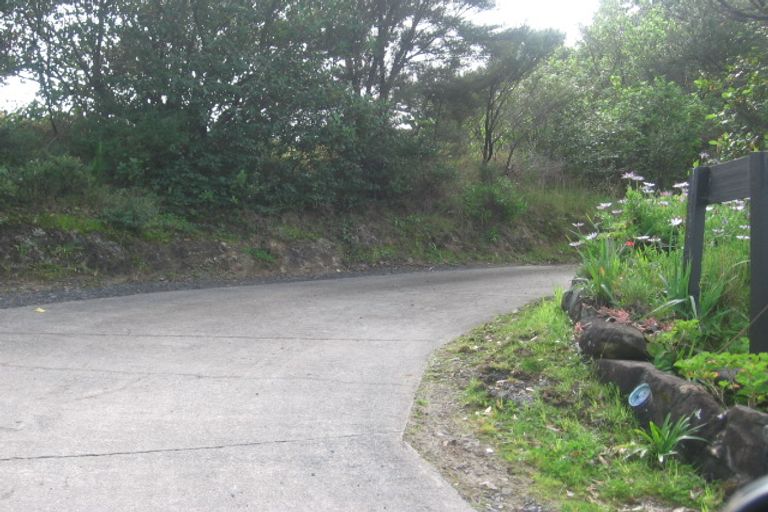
{"x": 488, "y": 485}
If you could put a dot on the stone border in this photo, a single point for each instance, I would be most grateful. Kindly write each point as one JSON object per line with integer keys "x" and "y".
{"x": 736, "y": 448}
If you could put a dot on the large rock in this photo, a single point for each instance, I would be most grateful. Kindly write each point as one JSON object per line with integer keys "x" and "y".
{"x": 746, "y": 441}
{"x": 670, "y": 394}
{"x": 627, "y": 375}
{"x": 609, "y": 340}
{"x": 676, "y": 397}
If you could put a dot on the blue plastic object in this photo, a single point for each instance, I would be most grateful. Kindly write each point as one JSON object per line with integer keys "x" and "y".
{"x": 640, "y": 395}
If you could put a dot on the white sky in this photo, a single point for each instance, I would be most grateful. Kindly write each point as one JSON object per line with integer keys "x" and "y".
{"x": 565, "y": 15}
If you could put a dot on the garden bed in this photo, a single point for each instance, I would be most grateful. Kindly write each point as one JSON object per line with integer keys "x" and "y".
{"x": 633, "y": 314}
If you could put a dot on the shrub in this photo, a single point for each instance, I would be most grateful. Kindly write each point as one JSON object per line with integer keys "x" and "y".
{"x": 52, "y": 177}
{"x": 130, "y": 210}
{"x": 488, "y": 203}
{"x": 8, "y": 187}
{"x": 745, "y": 376}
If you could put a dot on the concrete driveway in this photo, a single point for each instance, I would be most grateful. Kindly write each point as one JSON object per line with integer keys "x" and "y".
{"x": 282, "y": 397}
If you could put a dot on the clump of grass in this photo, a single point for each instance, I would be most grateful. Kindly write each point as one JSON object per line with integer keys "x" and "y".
{"x": 69, "y": 222}
{"x": 262, "y": 255}
{"x": 659, "y": 443}
{"x": 575, "y": 432}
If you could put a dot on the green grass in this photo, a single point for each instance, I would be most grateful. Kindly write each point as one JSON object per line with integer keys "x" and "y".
{"x": 261, "y": 255}
{"x": 291, "y": 232}
{"x": 69, "y": 222}
{"x": 577, "y": 433}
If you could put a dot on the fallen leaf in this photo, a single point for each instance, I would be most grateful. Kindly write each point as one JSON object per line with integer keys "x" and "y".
{"x": 39, "y": 310}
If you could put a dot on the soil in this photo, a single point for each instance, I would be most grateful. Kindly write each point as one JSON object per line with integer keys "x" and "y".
{"x": 49, "y": 265}
{"x": 440, "y": 429}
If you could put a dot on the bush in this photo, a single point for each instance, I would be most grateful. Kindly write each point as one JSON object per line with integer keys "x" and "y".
{"x": 130, "y": 210}
{"x": 51, "y": 177}
{"x": 8, "y": 188}
{"x": 495, "y": 202}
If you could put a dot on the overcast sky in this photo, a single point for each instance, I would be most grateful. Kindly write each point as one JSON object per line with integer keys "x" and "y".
{"x": 565, "y": 15}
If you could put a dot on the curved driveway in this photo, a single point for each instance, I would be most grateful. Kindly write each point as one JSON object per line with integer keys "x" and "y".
{"x": 281, "y": 397}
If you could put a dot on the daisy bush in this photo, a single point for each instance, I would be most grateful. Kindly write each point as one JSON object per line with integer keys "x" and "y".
{"x": 632, "y": 261}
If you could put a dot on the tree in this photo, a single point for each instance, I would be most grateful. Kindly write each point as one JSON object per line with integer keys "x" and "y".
{"x": 376, "y": 47}
{"x": 745, "y": 10}
{"x": 511, "y": 56}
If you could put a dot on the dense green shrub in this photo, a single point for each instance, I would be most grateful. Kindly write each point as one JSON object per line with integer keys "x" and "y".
{"x": 50, "y": 178}
{"x": 8, "y": 187}
{"x": 487, "y": 203}
{"x": 131, "y": 210}
{"x": 654, "y": 128}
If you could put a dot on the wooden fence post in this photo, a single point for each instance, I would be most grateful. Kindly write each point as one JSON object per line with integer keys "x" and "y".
{"x": 758, "y": 182}
{"x": 693, "y": 253}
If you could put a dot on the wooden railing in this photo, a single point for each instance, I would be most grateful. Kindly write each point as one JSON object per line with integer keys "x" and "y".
{"x": 743, "y": 178}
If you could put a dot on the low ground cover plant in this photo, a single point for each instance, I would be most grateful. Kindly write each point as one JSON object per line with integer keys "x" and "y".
{"x": 632, "y": 260}
{"x": 572, "y": 434}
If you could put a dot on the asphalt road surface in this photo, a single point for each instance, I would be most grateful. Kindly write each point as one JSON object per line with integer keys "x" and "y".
{"x": 282, "y": 397}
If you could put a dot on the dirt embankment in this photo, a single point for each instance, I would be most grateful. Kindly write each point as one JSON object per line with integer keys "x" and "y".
{"x": 54, "y": 263}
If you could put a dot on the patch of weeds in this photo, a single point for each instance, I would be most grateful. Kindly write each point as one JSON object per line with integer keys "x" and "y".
{"x": 262, "y": 255}
{"x": 66, "y": 251}
{"x": 48, "y": 271}
{"x": 166, "y": 226}
{"x": 575, "y": 434}
{"x": 294, "y": 233}
{"x": 130, "y": 210}
{"x": 69, "y": 223}
{"x": 374, "y": 255}
{"x": 476, "y": 394}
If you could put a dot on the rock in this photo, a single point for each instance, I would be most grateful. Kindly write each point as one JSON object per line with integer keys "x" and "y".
{"x": 572, "y": 303}
{"x": 746, "y": 441}
{"x": 670, "y": 395}
{"x": 606, "y": 340}
{"x": 627, "y": 375}
{"x": 677, "y": 397}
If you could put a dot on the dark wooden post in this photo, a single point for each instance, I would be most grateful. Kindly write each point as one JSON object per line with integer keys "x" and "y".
{"x": 693, "y": 253}
{"x": 758, "y": 181}
{"x": 737, "y": 179}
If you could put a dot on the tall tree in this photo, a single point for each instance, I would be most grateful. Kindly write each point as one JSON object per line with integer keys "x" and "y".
{"x": 511, "y": 56}
{"x": 376, "y": 46}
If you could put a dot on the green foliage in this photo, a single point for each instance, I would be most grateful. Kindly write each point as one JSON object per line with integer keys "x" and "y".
{"x": 743, "y": 376}
{"x": 130, "y": 210}
{"x": 8, "y": 187}
{"x": 681, "y": 341}
{"x": 603, "y": 266}
{"x": 742, "y": 95}
{"x": 659, "y": 443}
{"x": 50, "y": 178}
{"x": 496, "y": 202}
{"x": 262, "y": 255}
{"x": 574, "y": 433}
{"x": 69, "y": 223}
{"x": 636, "y": 261}
{"x": 652, "y": 127}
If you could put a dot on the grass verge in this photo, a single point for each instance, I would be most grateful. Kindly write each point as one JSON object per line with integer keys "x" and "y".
{"x": 539, "y": 405}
